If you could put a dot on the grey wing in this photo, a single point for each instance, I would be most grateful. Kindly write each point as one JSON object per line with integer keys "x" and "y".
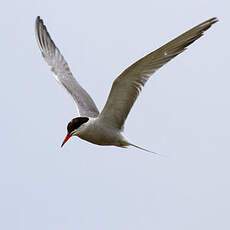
{"x": 63, "y": 75}
{"x": 128, "y": 85}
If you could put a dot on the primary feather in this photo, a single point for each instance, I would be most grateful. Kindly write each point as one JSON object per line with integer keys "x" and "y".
{"x": 128, "y": 85}
{"x": 60, "y": 68}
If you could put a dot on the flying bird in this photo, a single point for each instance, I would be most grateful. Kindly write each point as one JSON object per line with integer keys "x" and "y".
{"x": 106, "y": 127}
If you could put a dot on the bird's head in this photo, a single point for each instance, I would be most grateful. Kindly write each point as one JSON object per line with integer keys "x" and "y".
{"x": 74, "y": 127}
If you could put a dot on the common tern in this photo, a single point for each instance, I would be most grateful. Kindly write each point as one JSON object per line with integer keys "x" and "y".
{"x": 106, "y": 127}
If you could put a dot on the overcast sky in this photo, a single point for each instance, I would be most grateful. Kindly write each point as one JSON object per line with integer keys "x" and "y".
{"x": 183, "y": 112}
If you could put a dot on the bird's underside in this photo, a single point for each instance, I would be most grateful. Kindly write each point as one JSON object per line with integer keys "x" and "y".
{"x": 97, "y": 133}
{"x": 105, "y": 128}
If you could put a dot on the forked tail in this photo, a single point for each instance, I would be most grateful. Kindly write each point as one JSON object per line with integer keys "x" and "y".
{"x": 144, "y": 149}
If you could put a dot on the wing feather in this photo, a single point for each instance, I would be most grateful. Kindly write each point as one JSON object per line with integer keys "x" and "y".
{"x": 127, "y": 86}
{"x": 63, "y": 75}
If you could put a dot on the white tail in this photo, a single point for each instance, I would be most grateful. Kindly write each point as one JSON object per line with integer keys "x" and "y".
{"x": 144, "y": 149}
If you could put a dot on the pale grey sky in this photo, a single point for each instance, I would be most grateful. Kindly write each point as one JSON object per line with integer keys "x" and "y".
{"x": 183, "y": 112}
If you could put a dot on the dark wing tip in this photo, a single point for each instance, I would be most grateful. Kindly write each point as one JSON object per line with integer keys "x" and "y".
{"x": 38, "y": 28}
{"x": 207, "y": 24}
{"x": 196, "y": 32}
{"x": 213, "y": 20}
{"x": 210, "y": 21}
{"x": 38, "y": 18}
{"x": 38, "y": 22}
{"x": 45, "y": 42}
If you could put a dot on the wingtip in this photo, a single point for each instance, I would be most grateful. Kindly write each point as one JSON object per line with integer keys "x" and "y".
{"x": 207, "y": 24}
{"x": 214, "y": 20}
{"x": 38, "y": 20}
{"x": 211, "y": 21}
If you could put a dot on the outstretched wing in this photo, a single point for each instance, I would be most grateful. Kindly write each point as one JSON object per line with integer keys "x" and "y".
{"x": 128, "y": 85}
{"x": 60, "y": 68}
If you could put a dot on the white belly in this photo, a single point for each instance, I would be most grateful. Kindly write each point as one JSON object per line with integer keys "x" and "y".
{"x": 98, "y": 134}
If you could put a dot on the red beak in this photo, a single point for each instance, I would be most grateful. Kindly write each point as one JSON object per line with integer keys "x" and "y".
{"x": 66, "y": 139}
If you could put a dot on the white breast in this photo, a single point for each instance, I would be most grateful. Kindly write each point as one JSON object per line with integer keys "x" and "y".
{"x": 96, "y": 132}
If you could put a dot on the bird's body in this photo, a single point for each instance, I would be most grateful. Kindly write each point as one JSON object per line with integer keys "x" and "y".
{"x": 105, "y": 135}
{"x": 106, "y": 128}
